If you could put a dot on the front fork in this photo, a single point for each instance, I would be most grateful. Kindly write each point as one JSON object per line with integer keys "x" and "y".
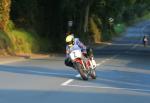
{"x": 86, "y": 69}
{"x": 86, "y": 66}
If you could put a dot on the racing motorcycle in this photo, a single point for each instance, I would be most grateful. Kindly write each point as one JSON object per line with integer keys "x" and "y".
{"x": 83, "y": 65}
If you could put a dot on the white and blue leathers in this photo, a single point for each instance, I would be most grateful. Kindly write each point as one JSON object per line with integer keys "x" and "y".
{"x": 78, "y": 45}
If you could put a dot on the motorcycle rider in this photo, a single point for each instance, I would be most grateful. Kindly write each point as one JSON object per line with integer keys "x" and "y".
{"x": 73, "y": 43}
{"x": 145, "y": 41}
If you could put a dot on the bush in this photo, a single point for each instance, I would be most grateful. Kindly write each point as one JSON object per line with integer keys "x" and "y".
{"x": 23, "y": 41}
{"x": 119, "y": 28}
{"x": 5, "y": 44}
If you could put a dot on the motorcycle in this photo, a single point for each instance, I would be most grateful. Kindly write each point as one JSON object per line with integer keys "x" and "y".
{"x": 83, "y": 65}
{"x": 145, "y": 41}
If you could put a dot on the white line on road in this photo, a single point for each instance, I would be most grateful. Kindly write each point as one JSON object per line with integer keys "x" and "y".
{"x": 114, "y": 88}
{"x": 104, "y": 61}
{"x": 69, "y": 81}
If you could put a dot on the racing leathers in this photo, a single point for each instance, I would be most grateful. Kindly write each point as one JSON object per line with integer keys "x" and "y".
{"x": 76, "y": 46}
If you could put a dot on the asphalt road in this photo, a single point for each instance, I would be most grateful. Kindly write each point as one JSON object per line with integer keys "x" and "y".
{"x": 123, "y": 75}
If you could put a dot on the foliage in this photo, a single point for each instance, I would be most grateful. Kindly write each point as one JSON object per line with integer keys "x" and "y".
{"x": 124, "y": 12}
{"x": 23, "y": 41}
{"x": 95, "y": 30}
{"x": 119, "y": 28}
{"x": 48, "y": 19}
{"x": 15, "y": 41}
{"x": 4, "y": 13}
{"x": 5, "y": 44}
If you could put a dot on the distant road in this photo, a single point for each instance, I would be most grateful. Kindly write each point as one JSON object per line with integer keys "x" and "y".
{"x": 134, "y": 34}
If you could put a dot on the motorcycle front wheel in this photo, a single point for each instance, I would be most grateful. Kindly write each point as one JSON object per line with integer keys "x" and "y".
{"x": 83, "y": 73}
{"x": 93, "y": 74}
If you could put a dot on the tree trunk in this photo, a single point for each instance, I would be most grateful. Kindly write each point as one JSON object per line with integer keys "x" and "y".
{"x": 85, "y": 28}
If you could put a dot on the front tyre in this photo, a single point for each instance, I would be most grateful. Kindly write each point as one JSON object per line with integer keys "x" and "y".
{"x": 83, "y": 73}
{"x": 93, "y": 74}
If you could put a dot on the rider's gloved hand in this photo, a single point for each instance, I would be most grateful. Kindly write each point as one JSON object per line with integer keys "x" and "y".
{"x": 85, "y": 54}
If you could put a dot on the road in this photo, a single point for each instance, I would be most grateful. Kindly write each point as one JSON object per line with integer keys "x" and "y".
{"x": 123, "y": 75}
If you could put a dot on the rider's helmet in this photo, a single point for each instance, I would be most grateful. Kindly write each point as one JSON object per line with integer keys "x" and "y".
{"x": 70, "y": 40}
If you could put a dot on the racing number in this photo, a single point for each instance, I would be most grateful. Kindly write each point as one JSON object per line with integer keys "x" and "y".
{"x": 74, "y": 54}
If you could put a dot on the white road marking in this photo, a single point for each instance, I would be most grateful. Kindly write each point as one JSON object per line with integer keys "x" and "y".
{"x": 69, "y": 81}
{"x": 126, "y": 83}
{"x": 104, "y": 61}
{"x": 134, "y": 46}
{"x": 113, "y": 88}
